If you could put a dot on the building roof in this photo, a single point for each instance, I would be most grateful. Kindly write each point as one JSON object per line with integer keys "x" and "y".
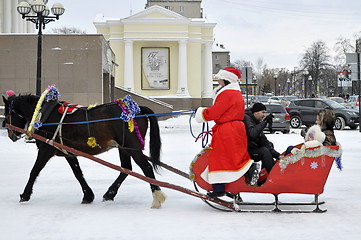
{"x": 217, "y": 47}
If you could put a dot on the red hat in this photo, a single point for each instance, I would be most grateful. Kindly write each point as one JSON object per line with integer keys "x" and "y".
{"x": 229, "y": 73}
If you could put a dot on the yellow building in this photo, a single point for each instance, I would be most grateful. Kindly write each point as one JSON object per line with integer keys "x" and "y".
{"x": 160, "y": 53}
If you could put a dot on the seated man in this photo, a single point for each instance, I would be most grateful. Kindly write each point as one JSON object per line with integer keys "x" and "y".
{"x": 259, "y": 148}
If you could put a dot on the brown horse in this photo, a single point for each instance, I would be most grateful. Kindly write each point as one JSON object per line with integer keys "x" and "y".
{"x": 108, "y": 134}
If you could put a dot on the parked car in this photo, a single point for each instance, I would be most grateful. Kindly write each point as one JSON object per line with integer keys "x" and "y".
{"x": 304, "y": 112}
{"x": 340, "y": 100}
{"x": 281, "y": 120}
{"x": 275, "y": 99}
{"x": 352, "y": 102}
{"x": 262, "y": 98}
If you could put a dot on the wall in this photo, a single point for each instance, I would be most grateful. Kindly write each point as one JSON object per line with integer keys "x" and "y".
{"x": 74, "y": 63}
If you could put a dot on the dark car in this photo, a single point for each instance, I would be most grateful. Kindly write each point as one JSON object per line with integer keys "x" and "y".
{"x": 304, "y": 112}
{"x": 281, "y": 120}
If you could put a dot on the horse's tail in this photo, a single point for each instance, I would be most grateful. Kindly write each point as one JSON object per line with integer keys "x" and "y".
{"x": 155, "y": 143}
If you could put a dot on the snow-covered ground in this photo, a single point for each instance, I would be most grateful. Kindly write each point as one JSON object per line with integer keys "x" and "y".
{"x": 55, "y": 212}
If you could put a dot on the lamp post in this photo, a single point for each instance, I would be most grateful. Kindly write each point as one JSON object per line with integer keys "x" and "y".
{"x": 288, "y": 86}
{"x": 275, "y": 77}
{"x": 310, "y": 79}
{"x": 305, "y": 73}
{"x": 254, "y": 81}
{"x": 342, "y": 76}
{"x": 40, "y": 19}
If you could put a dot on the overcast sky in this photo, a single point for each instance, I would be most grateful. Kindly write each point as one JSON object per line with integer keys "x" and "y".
{"x": 277, "y": 31}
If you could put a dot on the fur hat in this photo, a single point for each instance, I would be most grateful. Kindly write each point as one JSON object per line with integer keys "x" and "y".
{"x": 258, "y": 107}
{"x": 10, "y": 93}
{"x": 229, "y": 73}
{"x": 315, "y": 133}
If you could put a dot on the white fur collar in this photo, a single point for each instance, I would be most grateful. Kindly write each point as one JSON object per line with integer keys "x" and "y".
{"x": 218, "y": 90}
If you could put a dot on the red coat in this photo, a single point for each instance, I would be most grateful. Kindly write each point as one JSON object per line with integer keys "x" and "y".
{"x": 228, "y": 158}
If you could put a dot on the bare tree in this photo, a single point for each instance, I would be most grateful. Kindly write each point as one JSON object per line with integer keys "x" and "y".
{"x": 67, "y": 30}
{"x": 315, "y": 58}
{"x": 342, "y": 46}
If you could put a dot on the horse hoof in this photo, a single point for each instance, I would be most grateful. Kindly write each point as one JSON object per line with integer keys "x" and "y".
{"x": 105, "y": 199}
{"x": 158, "y": 198}
{"x": 109, "y": 196}
{"x": 86, "y": 201}
{"x": 23, "y": 198}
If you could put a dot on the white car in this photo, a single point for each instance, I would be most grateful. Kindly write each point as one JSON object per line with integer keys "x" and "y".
{"x": 275, "y": 99}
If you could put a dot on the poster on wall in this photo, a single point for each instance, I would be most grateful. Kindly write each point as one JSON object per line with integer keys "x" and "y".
{"x": 155, "y": 68}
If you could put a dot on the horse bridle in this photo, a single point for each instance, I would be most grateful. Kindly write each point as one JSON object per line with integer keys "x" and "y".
{"x": 11, "y": 110}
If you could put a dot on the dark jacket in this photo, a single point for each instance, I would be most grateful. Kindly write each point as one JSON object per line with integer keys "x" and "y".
{"x": 255, "y": 136}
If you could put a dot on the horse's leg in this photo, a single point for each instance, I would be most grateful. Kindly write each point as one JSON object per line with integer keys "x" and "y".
{"x": 44, "y": 154}
{"x": 140, "y": 159}
{"x": 88, "y": 193}
{"x": 113, "y": 189}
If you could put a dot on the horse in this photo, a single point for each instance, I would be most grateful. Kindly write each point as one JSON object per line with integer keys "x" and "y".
{"x": 107, "y": 134}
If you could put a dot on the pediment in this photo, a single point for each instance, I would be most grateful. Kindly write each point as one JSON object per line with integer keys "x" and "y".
{"x": 156, "y": 12}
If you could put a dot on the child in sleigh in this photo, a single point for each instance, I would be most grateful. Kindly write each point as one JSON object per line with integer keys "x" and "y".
{"x": 320, "y": 134}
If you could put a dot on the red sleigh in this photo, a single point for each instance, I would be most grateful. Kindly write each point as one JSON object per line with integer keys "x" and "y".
{"x": 301, "y": 173}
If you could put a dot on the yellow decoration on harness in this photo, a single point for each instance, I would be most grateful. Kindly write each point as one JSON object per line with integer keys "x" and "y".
{"x": 91, "y": 106}
{"x": 131, "y": 125}
{"x": 36, "y": 113}
{"x": 92, "y": 142}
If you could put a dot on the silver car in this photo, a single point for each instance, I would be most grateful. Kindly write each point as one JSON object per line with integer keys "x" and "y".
{"x": 281, "y": 120}
{"x": 352, "y": 102}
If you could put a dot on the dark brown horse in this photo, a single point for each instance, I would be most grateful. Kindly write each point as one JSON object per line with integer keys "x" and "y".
{"x": 108, "y": 134}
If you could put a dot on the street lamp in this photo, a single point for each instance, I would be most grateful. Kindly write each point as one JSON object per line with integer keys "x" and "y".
{"x": 342, "y": 76}
{"x": 305, "y": 73}
{"x": 254, "y": 82}
{"x": 40, "y": 19}
{"x": 288, "y": 86}
{"x": 275, "y": 77}
{"x": 310, "y": 79}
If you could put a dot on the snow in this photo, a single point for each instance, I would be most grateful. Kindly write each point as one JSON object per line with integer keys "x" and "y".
{"x": 54, "y": 210}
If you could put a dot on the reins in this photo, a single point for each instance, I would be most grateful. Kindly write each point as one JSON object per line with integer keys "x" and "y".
{"x": 184, "y": 112}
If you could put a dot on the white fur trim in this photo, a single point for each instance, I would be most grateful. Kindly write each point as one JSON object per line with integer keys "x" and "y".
{"x": 226, "y": 176}
{"x": 223, "y": 74}
{"x": 199, "y": 115}
{"x": 312, "y": 144}
{"x": 231, "y": 86}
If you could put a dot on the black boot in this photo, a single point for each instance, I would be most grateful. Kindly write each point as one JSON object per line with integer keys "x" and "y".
{"x": 213, "y": 195}
{"x": 253, "y": 174}
{"x": 218, "y": 191}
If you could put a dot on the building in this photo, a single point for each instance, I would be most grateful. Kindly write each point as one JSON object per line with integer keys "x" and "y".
{"x": 186, "y": 8}
{"x": 220, "y": 57}
{"x": 10, "y": 19}
{"x": 162, "y": 55}
{"x": 80, "y": 66}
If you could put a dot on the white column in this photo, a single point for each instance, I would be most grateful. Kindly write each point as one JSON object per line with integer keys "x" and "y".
{"x": 7, "y": 16}
{"x": 208, "y": 79}
{"x": 182, "y": 69}
{"x": 30, "y": 27}
{"x": 14, "y": 15}
{"x": 128, "y": 65}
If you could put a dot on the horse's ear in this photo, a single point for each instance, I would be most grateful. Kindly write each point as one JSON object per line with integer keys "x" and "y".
{"x": 5, "y": 100}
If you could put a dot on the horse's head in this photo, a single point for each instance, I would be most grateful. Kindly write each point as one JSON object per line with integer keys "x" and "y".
{"x": 14, "y": 116}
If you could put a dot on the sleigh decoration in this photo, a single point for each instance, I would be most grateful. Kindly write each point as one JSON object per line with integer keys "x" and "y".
{"x": 301, "y": 173}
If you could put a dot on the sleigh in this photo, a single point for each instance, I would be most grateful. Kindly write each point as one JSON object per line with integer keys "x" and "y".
{"x": 300, "y": 173}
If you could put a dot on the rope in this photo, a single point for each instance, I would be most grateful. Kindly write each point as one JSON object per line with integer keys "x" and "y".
{"x": 186, "y": 112}
{"x": 204, "y": 134}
